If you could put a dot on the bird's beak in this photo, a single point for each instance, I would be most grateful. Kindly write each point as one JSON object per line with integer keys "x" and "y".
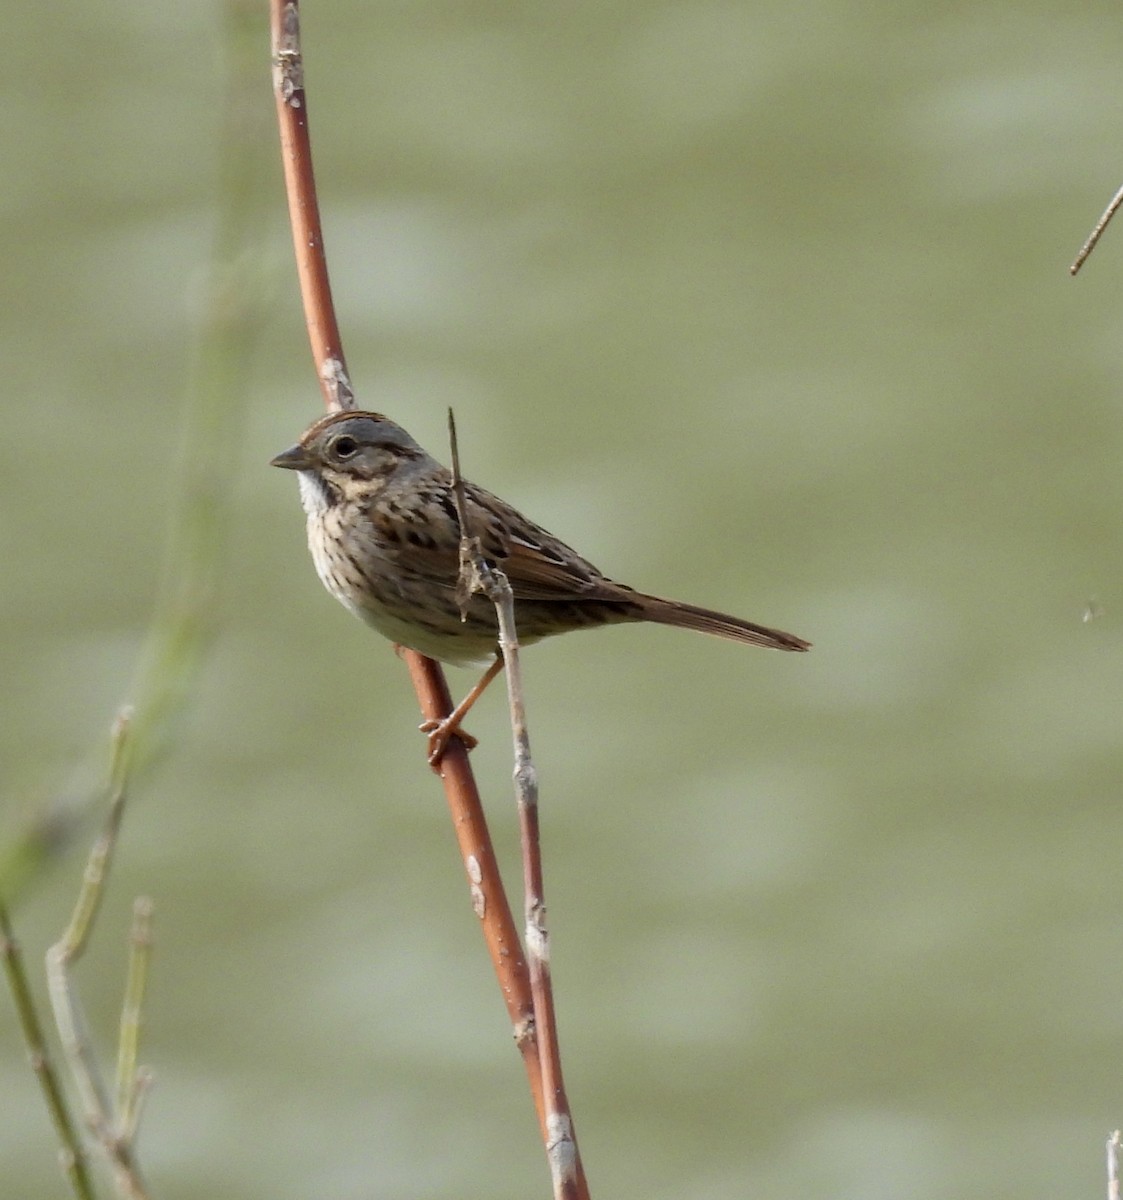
{"x": 295, "y": 458}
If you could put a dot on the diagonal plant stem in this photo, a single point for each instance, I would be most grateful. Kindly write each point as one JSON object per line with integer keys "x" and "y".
{"x": 304, "y": 207}
{"x": 115, "y": 1139}
{"x": 133, "y": 1082}
{"x": 73, "y": 1156}
{"x": 178, "y": 635}
{"x": 485, "y": 883}
{"x": 479, "y": 575}
{"x": 68, "y": 1012}
{"x": 184, "y": 620}
{"x": 1112, "y": 208}
{"x": 1114, "y": 1142}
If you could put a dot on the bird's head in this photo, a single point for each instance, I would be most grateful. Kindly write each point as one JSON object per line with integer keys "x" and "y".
{"x": 347, "y": 454}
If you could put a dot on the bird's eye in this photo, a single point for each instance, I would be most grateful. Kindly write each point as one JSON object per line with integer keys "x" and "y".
{"x": 344, "y": 447}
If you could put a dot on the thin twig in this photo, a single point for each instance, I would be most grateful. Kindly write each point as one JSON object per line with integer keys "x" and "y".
{"x": 183, "y": 621}
{"x": 1097, "y": 232}
{"x": 72, "y": 1155}
{"x": 133, "y": 1082}
{"x": 477, "y": 574}
{"x": 468, "y": 579}
{"x": 561, "y": 1140}
{"x": 69, "y": 1016}
{"x": 1113, "y": 1144}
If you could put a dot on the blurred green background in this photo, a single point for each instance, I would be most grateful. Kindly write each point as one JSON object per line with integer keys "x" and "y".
{"x": 759, "y": 305}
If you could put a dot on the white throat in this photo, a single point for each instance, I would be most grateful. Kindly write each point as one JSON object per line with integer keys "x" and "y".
{"x": 313, "y": 494}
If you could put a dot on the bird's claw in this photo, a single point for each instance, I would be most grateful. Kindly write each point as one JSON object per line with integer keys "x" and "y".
{"x": 439, "y": 733}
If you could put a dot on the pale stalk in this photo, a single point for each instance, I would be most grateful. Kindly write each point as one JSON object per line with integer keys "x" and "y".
{"x": 478, "y": 575}
{"x": 70, "y": 1018}
{"x": 72, "y": 1155}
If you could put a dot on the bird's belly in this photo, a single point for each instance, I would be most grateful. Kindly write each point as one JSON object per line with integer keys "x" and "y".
{"x": 459, "y": 649}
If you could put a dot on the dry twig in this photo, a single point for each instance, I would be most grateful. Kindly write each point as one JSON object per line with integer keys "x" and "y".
{"x": 1097, "y": 232}
{"x": 1113, "y": 1144}
{"x": 72, "y": 1156}
{"x": 115, "y": 1128}
{"x": 479, "y": 575}
{"x": 178, "y": 635}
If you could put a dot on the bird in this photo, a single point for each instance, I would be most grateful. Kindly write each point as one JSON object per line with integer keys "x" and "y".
{"x": 384, "y": 533}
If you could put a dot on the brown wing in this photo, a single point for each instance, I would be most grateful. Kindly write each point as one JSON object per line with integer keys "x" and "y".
{"x": 538, "y": 565}
{"x": 422, "y": 539}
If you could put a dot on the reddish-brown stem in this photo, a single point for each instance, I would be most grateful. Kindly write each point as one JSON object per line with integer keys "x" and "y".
{"x": 304, "y": 208}
{"x": 488, "y": 897}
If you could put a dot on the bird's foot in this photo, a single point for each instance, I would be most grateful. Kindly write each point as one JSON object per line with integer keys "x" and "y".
{"x": 440, "y": 732}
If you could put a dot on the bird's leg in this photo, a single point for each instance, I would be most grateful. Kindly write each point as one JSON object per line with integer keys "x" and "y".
{"x": 440, "y": 731}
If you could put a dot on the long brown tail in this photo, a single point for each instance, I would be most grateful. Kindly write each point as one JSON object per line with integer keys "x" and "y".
{"x": 705, "y": 620}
